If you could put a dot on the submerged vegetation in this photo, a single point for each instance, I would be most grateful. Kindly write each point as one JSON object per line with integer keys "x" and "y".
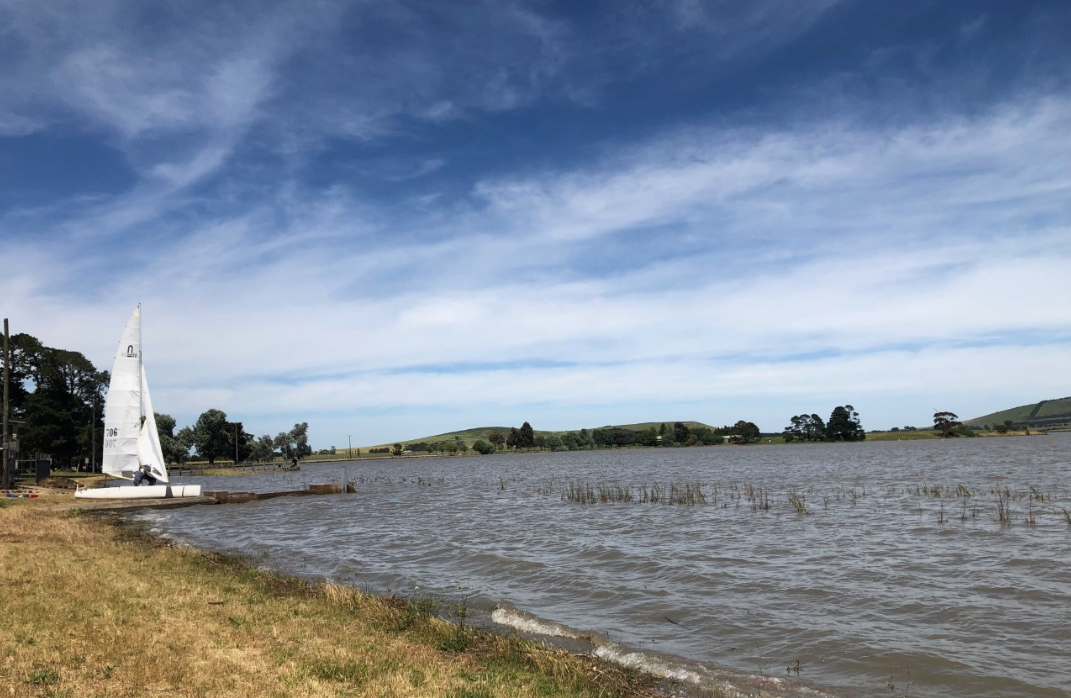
{"x": 1002, "y": 505}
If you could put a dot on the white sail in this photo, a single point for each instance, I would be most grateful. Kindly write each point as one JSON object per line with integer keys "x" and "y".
{"x": 149, "y": 451}
{"x": 130, "y": 435}
{"x": 122, "y": 411}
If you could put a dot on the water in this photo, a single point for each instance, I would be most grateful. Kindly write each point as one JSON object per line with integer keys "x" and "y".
{"x": 883, "y": 588}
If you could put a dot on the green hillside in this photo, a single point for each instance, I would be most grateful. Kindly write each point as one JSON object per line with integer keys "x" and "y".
{"x": 469, "y": 436}
{"x": 1047, "y": 414}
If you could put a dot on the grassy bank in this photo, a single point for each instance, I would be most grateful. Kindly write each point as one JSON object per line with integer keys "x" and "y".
{"x": 92, "y": 609}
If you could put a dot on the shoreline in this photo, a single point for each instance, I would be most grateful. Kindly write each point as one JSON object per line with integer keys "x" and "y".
{"x": 127, "y": 613}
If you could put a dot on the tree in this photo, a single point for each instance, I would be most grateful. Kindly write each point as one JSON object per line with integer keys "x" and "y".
{"x": 497, "y": 440}
{"x": 209, "y": 435}
{"x": 746, "y": 431}
{"x": 805, "y": 427}
{"x": 236, "y": 431}
{"x": 844, "y": 425}
{"x": 555, "y": 443}
{"x": 58, "y": 394}
{"x": 285, "y": 445}
{"x": 514, "y": 438}
{"x": 680, "y": 432}
{"x": 262, "y": 450}
{"x": 945, "y": 422}
{"x": 621, "y": 437}
{"x": 397, "y": 450}
{"x": 527, "y": 439}
{"x": 482, "y": 447}
{"x": 647, "y": 437}
{"x": 176, "y": 449}
{"x": 299, "y": 436}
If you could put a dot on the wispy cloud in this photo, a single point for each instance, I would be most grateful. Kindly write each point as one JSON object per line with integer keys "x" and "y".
{"x": 310, "y": 231}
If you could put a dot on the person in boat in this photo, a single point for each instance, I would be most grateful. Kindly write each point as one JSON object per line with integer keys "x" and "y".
{"x": 293, "y": 464}
{"x": 144, "y": 474}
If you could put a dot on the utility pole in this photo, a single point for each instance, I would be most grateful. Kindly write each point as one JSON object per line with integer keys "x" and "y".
{"x": 5, "y": 481}
{"x": 93, "y": 437}
{"x": 236, "y": 443}
{"x": 349, "y": 438}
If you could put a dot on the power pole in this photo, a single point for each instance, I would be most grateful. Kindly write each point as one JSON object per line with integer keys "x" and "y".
{"x": 93, "y": 436}
{"x": 5, "y": 481}
{"x": 349, "y": 438}
{"x": 236, "y": 444}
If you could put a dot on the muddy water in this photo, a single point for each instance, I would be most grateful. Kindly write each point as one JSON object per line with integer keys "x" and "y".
{"x": 898, "y": 579}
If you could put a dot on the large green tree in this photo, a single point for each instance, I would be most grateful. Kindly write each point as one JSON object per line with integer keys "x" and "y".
{"x": 299, "y": 435}
{"x": 237, "y": 432}
{"x": 527, "y": 436}
{"x": 59, "y": 395}
{"x": 176, "y": 447}
{"x": 209, "y": 436}
{"x": 680, "y": 432}
{"x": 747, "y": 431}
{"x": 805, "y": 427}
{"x": 294, "y": 443}
{"x": 946, "y": 423}
{"x": 263, "y": 450}
{"x": 843, "y": 425}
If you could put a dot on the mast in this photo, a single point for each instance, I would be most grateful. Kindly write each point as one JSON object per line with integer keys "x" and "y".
{"x": 141, "y": 370}
{"x": 5, "y": 475}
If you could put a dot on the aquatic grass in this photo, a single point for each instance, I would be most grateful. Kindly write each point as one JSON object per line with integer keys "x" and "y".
{"x": 1003, "y": 507}
{"x": 757, "y": 497}
{"x": 799, "y": 503}
{"x": 584, "y": 492}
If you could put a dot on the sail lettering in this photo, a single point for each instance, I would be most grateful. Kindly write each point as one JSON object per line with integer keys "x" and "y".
{"x": 130, "y": 350}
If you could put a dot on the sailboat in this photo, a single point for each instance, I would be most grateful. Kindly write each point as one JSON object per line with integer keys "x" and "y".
{"x": 131, "y": 439}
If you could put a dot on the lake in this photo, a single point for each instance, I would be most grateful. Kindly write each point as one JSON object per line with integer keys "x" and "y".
{"x": 913, "y": 568}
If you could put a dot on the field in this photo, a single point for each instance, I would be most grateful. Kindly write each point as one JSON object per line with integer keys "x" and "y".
{"x": 1047, "y": 413}
{"x": 902, "y": 435}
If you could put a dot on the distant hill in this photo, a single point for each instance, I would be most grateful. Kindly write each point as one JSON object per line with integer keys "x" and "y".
{"x": 469, "y": 436}
{"x": 1047, "y": 414}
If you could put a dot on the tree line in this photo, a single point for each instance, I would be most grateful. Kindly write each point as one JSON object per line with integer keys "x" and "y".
{"x": 212, "y": 437}
{"x": 843, "y": 425}
{"x": 668, "y": 436}
{"x": 57, "y": 397}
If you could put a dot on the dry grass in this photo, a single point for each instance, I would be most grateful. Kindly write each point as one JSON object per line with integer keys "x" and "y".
{"x": 93, "y": 609}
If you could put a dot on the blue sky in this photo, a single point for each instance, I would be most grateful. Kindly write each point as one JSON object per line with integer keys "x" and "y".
{"x": 395, "y": 219}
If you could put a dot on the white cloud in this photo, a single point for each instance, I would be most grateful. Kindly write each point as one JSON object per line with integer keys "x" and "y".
{"x": 704, "y": 266}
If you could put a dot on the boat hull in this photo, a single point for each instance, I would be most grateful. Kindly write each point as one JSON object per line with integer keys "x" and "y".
{"x": 140, "y": 492}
